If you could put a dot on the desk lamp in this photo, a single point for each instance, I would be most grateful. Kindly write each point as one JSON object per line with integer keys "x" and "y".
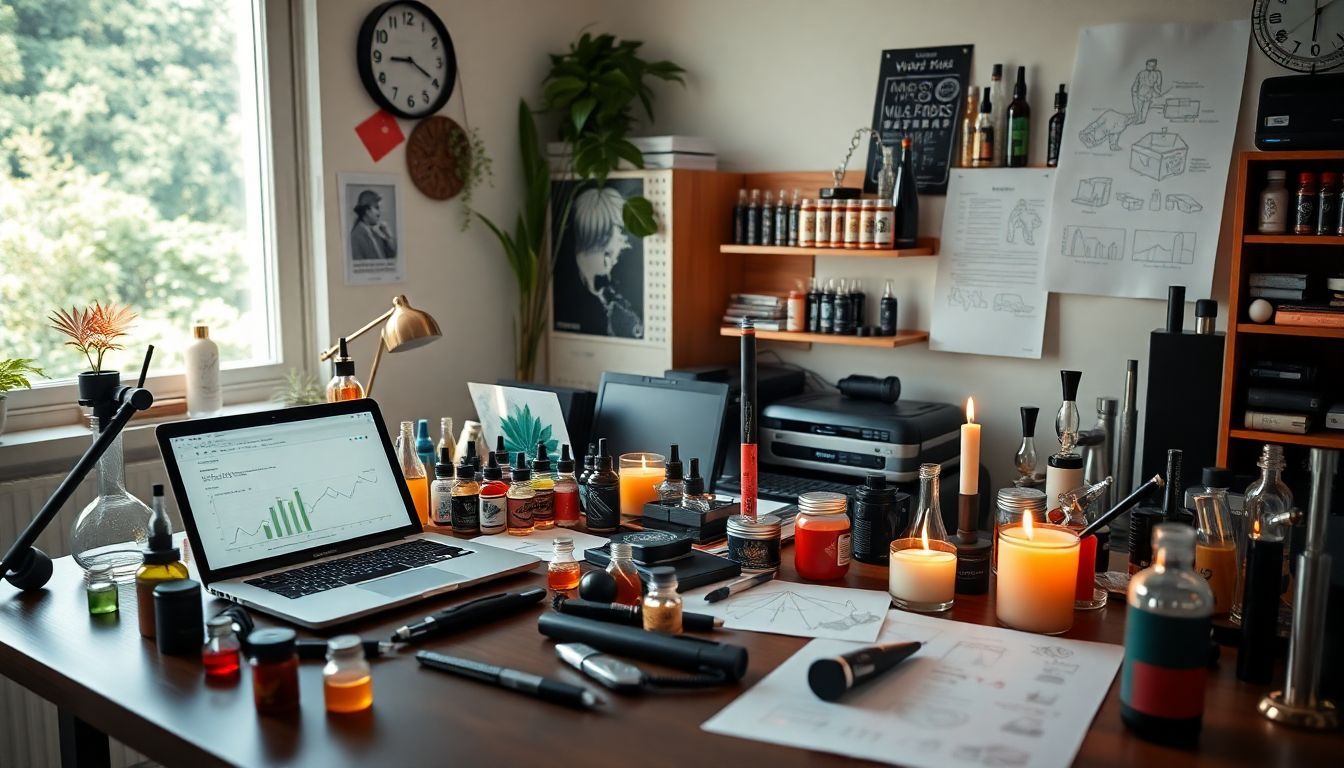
{"x": 405, "y": 328}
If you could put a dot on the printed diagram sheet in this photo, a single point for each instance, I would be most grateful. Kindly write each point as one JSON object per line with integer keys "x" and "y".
{"x": 804, "y": 610}
{"x": 1144, "y": 159}
{"x": 971, "y": 696}
{"x": 987, "y": 299}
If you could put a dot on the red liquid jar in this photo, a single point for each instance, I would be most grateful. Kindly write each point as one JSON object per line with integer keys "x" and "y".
{"x": 275, "y": 671}
{"x": 821, "y": 539}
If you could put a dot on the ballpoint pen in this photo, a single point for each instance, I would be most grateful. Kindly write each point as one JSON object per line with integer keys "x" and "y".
{"x": 543, "y": 688}
{"x": 317, "y": 649}
{"x": 745, "y": 583}
{"x": 469, "y": 614}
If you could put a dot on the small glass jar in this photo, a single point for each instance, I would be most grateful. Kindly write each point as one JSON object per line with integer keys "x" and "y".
{"x": 807, "y": 223}
{"x": 662, "y": 605}
{"x": 623, "y": 572}
{"x": 562, "y": 574}
{"x": 100, "y": 587}
{"x": 1273, "y": 218}
{"x": 853, "y": 223}
{"x": 753, "y": 542}
{"x": 347, "y": 681}
{"x": 220, "y": 656}
{"x": 1011, "y": 502}
{"x": 275, "y": 670}
{"x": 823, "y": 223}
{"x": 821, "y": 536}
{"x": 867, "y": 224}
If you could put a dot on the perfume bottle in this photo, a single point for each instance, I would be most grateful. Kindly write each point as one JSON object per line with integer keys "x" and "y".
{"x": 1167, "y": 642}
{"x": 344, "y": 385}
{"x": 669, "y": 491}
{"x": 1269, "y": 506}
{"x": 922, "y": 569}
{"x": 1025, "y": 460}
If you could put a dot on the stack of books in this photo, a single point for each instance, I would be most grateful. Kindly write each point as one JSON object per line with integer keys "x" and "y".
{"x": 1279, "y": 286}
{"x": 1295, "y": 303}
{"x": 1283, "y": 397}
{"x": 767, "y": 312}
{"x": 1335, "y": 285}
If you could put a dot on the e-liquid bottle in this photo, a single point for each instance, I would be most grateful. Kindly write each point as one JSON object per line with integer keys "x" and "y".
{"x": 767, "y": 221}
{"x": 604, "y": 494}
{"x": 1019, "y": 123}
{"x": 163, "y": 562}
{"x": 782, "y": 215}
{"x": 754, "y": 218}
{"x": 1055, "y": 129}
{"x": 984, "y": 134}
{"x": 1304, "y": 208}
{"x": 343, "y": 384}
{"x": 441, "y": 491}
{"x": 813, "y": 306}
{"x": 795, "y": 218}
{"x": 843, "y": 311}
{"x": 740, "y": 218}
{"x": 466, "y": 500}
{"x": 589, "y": 464}
{"x": 519, "y": 498}
{"x": 494, "y": 498}
{"x": 563, "y": 572}
{"x": 566, "y": 491}
{"x": 695, "y": 496}
{"x": 1327, "y": 203}
{"x": 670, "y": 489}
{"x": 629, "y": 590}
{"x": 543, "y": 482}
{"x": 998, "y": 115}
{"x": 347, "y": 681}
{"x": 502, "y": 458}
{"x": 886, "y": 317}
{"x": 424, "y": 446}
{"x": 827, "y": 311}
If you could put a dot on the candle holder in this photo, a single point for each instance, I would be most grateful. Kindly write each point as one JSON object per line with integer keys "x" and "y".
{"x": 973, "y": 548}
{"x": 641, "y": 472}
{"x": 922, "y": 572}
{"x": 1038, "y": 570}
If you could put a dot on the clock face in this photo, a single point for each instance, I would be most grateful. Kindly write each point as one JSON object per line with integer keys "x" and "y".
{"x": 1302, "y": 35}
{"x": 406, "y": 59}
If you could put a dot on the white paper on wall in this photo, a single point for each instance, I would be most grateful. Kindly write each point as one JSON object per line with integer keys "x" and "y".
{"x": 1143, "y": 164}
{"x": 986, "y": 295}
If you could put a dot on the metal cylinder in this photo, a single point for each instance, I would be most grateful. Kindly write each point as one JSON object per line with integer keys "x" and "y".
{"x": 1129, "y": 428}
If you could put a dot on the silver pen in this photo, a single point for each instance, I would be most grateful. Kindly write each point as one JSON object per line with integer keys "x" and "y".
{"x": 744, "y": 583}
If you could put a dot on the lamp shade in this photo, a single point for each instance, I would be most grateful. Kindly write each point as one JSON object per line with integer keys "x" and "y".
{"x": 408, "y": 327}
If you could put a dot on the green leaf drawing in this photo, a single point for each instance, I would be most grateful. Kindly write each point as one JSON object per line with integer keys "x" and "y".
{"x": 522, "y": 432}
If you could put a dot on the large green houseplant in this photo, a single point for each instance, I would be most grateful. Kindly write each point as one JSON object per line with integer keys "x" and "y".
{"x": 592, "y": 91}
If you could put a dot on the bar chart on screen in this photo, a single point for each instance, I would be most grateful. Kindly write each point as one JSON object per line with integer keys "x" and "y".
{"x": 285, "y": 513}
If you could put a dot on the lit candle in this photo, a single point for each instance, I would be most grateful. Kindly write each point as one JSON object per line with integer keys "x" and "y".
{"x": 640, "y": 475}
{"x": 922, "y": 575}
{"x": 970, "y": 452}
{"x": 1038, "y": 570}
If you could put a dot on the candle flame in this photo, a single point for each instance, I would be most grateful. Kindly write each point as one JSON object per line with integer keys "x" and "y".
{"x": 1026, "y": 524}
{"x": 924, "y": 534}
{"x": 970, "y": 410}
{"x": 1255, "y": 529}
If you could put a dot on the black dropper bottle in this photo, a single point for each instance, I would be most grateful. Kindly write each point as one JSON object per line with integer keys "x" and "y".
{"x": 604, "y": 494}
{"x": 1055, "y": 129}
{"x": 671, "y": 488}
{"x": 589, "y": 463}
{"x": 695, "y": 496}
{"x": 502, "y": 458}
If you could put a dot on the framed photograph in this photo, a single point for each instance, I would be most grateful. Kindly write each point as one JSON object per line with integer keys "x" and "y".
{"x": 598, "y": 287}
{"x": 371, "y": 228}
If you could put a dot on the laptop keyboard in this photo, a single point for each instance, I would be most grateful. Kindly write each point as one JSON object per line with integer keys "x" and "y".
{"x": 365, "y": 566}
{"x": 772, "y": 485}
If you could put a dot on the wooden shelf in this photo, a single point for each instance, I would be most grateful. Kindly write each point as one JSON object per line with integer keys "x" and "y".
{"x": 1292, "y": 330}
{"x": 1313, "y": 440}
{"x": 1293, "y": 155}
{"x": 1293, "y": 239}
{"x": 926, "y": 246}
{"x": 883, "y": 342}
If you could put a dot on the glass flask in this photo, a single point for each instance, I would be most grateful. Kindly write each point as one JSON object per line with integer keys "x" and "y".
{"x": 1025, "y": 460}
{"x": 114, "y": 527}
{"x": 922, "y": 567}
{"x": 1268, "y": 506}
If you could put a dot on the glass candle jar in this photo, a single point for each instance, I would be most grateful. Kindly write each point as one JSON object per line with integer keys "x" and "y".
{"x": 275, "y": 670}
{"x": 1038, "y": 571}
{"x": 922, "y": 578}
{"x": 821, "y": 536}
{"x": 1011, "y": 502}
{"x": 640, "y": 475}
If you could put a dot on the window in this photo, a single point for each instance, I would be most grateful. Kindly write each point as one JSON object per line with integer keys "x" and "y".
{"x": 139, "y": 154}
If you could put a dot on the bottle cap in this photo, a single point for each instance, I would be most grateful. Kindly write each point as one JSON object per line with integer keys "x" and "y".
{"x": 219, "y": 626}
{"x": 541, "y": 464}
{"x": 520, "y": 469}
{"x": 344, "y": 365}
{"x": 1069, "y": 381}
{"x": 1206, "y": 308}
{"x": 159, "y": 549}
{"x": 1216, "y": 477}
{"x": 1306, "y": 178}
{"x": 271, "y": 645}
{"x": 501, "y": 453}
{"x": 663, "y": 577}
{"x": 1329, "y": 178}
{"x": 566, "y": 462}
{"x": 985, "y": 104}
{"x": 177, "y": 589}
{"x": 673, "y": 466}
{"x": 998, "y": 70}
{"x": 1065, "y": 461}
{"x": 875, "y": 480}
{"x": 492, "y": 470}
{"x": 603, "y": 461}
{"x": 621, "y": 550}
{"x": 695, "y": 484}
{"x": 200, "y": 331}
{"x": 465, "y": 470}
{"x": 1276, "y": 175}
{"x": 1029, "y": 413}
{"x": 1061, "y": 97}
{"x": 444, "y": 466}
{"x": 347, "y": 646}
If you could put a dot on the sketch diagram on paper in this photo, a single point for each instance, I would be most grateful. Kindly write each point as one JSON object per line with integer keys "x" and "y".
{"x": 1024, "y": 220}
{"x": 1025, "y": 726}
{"x": 1052, "y": 651}
{"x": 999, "y": 755}
{"x": 1094, "y": 192}
{"x": 1105, "y": 129}
{"x": 813, "y": 612}
{"x": 1042, "y": 698}
{"x": 1159, "y": 247}
{"x": 1146, "y": 89}
{"x": 1159, "y": 155}
{"x": 803, "y": 610}
{"x": 966, "y": 299}
{"x": 1012, "y": 302}
{"x": 1181, "y": 110}
{"x": 1183, "y": 203}
{"x": 1093, "y": 243}
{"x": 926, "y": 715}
{"x": 972, "y": 655}
{"x": 1129, "y": 202}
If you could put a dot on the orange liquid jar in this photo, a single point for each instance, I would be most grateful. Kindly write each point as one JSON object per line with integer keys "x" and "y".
{"x": 821, "y": 536}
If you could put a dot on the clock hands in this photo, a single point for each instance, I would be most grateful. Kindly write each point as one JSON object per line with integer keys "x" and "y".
{"x": 411, "y": 61}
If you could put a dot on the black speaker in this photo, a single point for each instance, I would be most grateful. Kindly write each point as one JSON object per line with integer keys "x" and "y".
{"x": 1185, "y": 388}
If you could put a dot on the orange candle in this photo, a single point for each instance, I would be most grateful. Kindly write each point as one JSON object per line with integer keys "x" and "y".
{"x": 640, "y": 475}
{"x": 1038, "y": 572}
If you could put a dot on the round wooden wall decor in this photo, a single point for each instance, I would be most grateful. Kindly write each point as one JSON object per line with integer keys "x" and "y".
{"x": 430, "y": 160}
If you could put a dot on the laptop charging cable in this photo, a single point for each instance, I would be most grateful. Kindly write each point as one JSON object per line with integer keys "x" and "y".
{"x": 307, "y": 649}
{"x": 624, "y": 677}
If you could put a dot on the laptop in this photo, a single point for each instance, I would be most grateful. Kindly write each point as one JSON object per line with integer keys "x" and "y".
{"x": 302, "y": 513}
{"x": 632, "y": 411}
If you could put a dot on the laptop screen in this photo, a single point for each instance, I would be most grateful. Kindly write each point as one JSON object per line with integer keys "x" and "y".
{"x": 274, "y": 489}
{"x": 646, "y": 413}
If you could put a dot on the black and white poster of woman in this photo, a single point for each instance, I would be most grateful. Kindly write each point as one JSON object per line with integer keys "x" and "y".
{"x": 598, "y": 286}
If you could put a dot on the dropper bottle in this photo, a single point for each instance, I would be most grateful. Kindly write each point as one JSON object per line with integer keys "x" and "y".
{"x": 494, "y": 501}
{"x": 670, "y": 489}
{"x": 543, "y": 482}
{"x": 344, "y": 385}
{"x": 566, "y": 491}
{"x": 695, "y": 496}
{"x": 604, "y": 494}
{"x": 886, "y": 318}
{"x": 447, "y": 439}
{"x": 163, "y": 561}
{"x": 502, "y": 458}
{"x": 519, "y": 499}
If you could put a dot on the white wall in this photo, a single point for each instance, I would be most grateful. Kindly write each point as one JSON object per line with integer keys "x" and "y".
{"x": 778, "y": 85}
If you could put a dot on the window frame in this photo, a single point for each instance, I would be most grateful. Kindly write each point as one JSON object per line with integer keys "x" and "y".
{"x": 278, "y": 47}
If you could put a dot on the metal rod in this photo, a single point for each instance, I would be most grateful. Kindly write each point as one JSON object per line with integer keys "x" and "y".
{"x": 1129, "y": 428}
{"x": 1313, "y": 575}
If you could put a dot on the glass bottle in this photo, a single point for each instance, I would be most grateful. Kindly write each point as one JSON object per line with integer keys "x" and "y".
{"x": 562, "y": 573}
{"x": 922, "y": 570}
{"x": 603, "y": 513}
{"x": 275, "y": 670}
{"x": 969, "y": 112}
{"x": 446, "y": 440}
{"x": 629, "y": 590}
{"x": 1269, "y": 506}
{"x": 343, "y": 384}
{"x": 1025, "y": 460}
{"x": 740, "y": 218}
{"x": 1304, "y": 204}
{"x": 413, "y": 470}
{"x": 1018, "y": 139}
{"x": 782, "y": 209}
{"x": 114, "y": 527}
{"x": 1055, "y": 128}
{"x": 662, "y": 604}
{"x": 886, "y": 178}
{"x": 983, "y": 154}
{"x": 441, "y": 492}
{"x": 1273, "y": 216}
{"x": 1066, "y": 420}
{"x": 672, "y": 487}
{"x": 1269, "y": 500}
{"x": 1166, "y": 642}
{"x": 754, "y": 218}
{"x": 905, "y": 200}
{"x": 221, "y": 654}
{"x": 566, "y": 491}
{"x": 1076, "y": 504}
{"x": 424, "y": 447}
{"x": 518, "y": 501}
{"x": 694, "y": 496}
{"x": 502, "y": 457}
{"x": 999, "y": 115}
{"x": 767, "y": 216}
{"x": 162, "y": 562}
{"x": 100, "y": 588}
{"x": 1216, "y": 549}
{"x": 466, "y": 501}
{"x": 543, "y": 482}
{"x": 347, "y": 681}
{"x": 795, "y": 218}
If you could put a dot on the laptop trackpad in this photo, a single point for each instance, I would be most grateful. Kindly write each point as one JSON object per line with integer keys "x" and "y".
{"x": 411, "y": 582}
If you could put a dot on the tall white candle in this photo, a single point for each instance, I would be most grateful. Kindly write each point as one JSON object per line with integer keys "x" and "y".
{"x": 970, "y": 452}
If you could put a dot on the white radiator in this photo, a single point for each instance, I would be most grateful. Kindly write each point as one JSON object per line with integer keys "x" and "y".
{"x": 28, "y": 725}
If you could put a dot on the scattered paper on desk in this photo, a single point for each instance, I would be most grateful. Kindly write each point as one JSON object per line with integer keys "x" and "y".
{"x": 804, "y": 610}
{"x": 972, "y": 696}
{"x": 540, "y": 543}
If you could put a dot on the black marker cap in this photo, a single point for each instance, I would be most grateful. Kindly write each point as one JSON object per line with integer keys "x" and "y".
{"x": 695, "y": 484}
{"x": 566, "y": 462}
{"x": 674, "y": 465}
{"x": 1029, "y": 413}
{"x": 1069, "y": 381}
{"x": 829, "y": 678}
{"x": 1206, "y": 308}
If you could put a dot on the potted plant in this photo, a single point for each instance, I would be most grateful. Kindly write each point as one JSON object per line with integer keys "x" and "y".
{"x": 299, "y": 388}
{"x": 94, "y": 332}
{"x": 14, "y": 374}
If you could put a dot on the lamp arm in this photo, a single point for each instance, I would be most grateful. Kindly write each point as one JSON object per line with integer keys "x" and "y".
{"x": 373, "y": 372}
{"x": 331, "y": 351}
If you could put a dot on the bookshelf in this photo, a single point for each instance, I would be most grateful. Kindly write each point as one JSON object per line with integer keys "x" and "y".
{"x": 1248, "y": 342}
{"x": 797, "y": 337}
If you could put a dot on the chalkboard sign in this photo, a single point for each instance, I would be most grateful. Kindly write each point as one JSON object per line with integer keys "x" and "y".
{"x": 920, "y": 94}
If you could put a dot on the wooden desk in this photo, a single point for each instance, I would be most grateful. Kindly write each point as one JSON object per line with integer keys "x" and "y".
{"x": 106, "y": 679}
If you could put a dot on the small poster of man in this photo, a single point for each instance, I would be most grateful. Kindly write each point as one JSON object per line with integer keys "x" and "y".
{"x": 371, "y": 228}
{"x": 598, "y": 287}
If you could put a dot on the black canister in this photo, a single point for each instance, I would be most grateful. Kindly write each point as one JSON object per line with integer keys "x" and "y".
{"x": 879, "y": 513}
{"x": 1103, "y": 535}
{"x": 178, "y": 618}
{"x": 1141, "y": 522}
{"x": 753, "y": 542}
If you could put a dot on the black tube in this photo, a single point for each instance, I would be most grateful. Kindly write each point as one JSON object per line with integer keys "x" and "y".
{"x": 679, "y": 651}
{"x": 1175, "y": 308}
{"x": 1260, "y": 611}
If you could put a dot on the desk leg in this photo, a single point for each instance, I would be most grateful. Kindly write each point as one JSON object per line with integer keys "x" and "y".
{"x": 82, "y": 745}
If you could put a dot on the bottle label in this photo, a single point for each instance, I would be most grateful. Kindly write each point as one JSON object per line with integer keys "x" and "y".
{"x": 566, "y": 505}
{"x": 754, "y": 554}
{"x": 1018, "y": 133}
{"x": 1272, "y": 214}
{"x": 519, "y": 512}
{"x": 842, "y": 546}
{"x": 443, "y": 509}
{"x": 544, "y": 509}
{"x": 466, "y": 511}
{"x": 604, "y": 507}
{"x": 1306, "y": 213}
{"x": 1166, "y": 663}
{"x": 984, "y": 145}
{"x": 662, "y": 619}
{"x": 493, "y": 513}
{"x": 1325, "y": 213}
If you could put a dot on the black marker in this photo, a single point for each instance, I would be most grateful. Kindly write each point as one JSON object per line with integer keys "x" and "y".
{"x": 631, "y": 615}
{"x": 469, "y": 614}
{"x": 543, "y": 688}
{"x": 831, "y": 678}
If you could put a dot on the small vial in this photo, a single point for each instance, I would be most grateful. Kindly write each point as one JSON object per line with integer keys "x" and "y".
{"x": 622, "y": 569}
{"x": 101, "y": 589}
{"x": 662, "y": 605}
{"x": 220, "y": 656}
{"x": 520, "y": 499}
{"x": 670, "y": 489}
{"x": 347, "y": 682}
{"x": 695, "y": 496}
{"x": 562, "y": 575}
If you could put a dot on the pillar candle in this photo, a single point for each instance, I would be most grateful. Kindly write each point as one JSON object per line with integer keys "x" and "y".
{"x": 1038, "y": 571}
{"x": 640, "y": 475}
{"x": 970, "y": 452}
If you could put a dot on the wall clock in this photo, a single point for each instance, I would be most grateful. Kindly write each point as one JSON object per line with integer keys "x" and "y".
{"x": 406, "y": 59}
{"x": 430, "y": 159}
{"x": 1302, "y": 35}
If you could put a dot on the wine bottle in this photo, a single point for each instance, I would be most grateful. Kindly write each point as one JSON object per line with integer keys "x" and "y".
{"x": 1055, "y": 133}
{"x": 1019, "y": 122}
{"x": 906, "y": 200}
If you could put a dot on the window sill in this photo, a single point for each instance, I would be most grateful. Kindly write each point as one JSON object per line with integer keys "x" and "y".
{"x": 51, "y": 450}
